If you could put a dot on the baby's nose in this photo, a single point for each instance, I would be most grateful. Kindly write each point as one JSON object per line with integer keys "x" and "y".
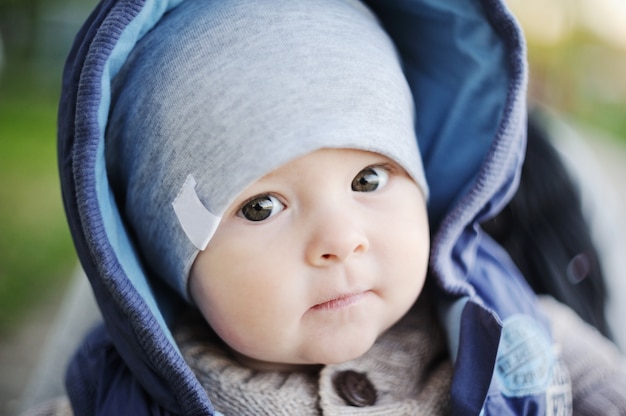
{"x": 335, "y": 238}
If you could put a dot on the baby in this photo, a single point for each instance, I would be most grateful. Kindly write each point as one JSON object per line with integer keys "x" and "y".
{"x": 275, "y": 180}
{"x": 272, "y": 175}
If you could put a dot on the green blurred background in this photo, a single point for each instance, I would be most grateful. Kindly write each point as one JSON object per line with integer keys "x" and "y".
{"x": 577, "y": 53}
{"x": 578, "y": 61}
{"x": 36, "y": 253}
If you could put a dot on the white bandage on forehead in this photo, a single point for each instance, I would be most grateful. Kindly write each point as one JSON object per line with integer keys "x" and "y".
{"x": 227, "y": 91}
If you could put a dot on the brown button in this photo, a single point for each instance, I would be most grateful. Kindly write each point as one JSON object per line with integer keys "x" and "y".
{"x": 354, "y": 388}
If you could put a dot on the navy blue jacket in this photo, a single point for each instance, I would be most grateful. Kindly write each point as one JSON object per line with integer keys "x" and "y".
{"x": 466, "y": 65}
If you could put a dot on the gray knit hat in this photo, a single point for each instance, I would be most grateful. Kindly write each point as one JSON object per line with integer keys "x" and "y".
{"x": 220, "y": 93}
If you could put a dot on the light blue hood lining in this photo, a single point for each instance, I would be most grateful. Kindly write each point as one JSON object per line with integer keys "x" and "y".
{"x": 455, "y": 64}
{"x": 117, "y": 235}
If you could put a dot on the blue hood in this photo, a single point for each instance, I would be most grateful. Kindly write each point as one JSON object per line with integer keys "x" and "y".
{"x": 465, "y": 62}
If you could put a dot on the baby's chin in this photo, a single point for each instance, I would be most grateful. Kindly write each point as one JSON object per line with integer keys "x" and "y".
{"x": 309, "y": 363}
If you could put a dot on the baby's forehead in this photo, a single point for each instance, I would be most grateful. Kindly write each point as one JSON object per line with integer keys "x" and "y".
{"x": 326, "y": 159}
{"x": 343, "y": 154}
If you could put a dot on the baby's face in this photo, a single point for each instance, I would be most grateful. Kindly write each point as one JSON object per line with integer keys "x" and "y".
{"x": 315, "y": 260}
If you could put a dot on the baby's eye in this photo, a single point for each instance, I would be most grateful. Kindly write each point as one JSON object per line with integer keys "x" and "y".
{"x": 261, "y": 208}
{"x": 370, "y": 179}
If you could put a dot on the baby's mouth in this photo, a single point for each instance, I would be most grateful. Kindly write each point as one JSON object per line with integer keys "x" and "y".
{"x": 340, "y": 301}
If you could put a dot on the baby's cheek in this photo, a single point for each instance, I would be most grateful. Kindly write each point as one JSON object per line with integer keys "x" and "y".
{"x": 242, "y": 326}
